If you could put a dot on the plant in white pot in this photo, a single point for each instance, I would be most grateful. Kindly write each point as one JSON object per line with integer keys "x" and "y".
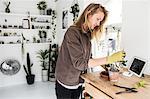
{"x": 42, "y": 5}
{"x": 43, "y": 56}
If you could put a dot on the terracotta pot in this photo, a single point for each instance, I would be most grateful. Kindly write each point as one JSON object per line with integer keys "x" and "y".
{"x": 113, "y": 76}
{"x": 105, "y": 75}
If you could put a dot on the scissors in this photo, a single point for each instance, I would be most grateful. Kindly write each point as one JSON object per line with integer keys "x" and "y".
{"x": 127, "y": 89}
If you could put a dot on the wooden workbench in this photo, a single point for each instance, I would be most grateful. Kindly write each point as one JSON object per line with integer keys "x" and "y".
{"x": 100, "y": 88}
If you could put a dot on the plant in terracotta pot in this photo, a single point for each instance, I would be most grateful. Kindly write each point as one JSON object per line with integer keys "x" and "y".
{"x": 105, "y": 74}
{"x": 42, "y": 5}
{"x": 112, "y": 71}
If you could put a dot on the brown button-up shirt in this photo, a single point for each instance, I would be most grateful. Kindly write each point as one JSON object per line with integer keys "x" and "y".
{"x": 73, "y": 56}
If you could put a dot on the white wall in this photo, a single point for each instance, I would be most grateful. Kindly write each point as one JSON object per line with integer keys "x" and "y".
{"x": 61, "y": 6}
{"x": 148, "y": 68}
{"x": 13, "y": 51}
{"x": 9, "y": 52}
{"x": 135, "y": 32}
{"x": 113, "y": 6}
{"x": 23, "y": 6}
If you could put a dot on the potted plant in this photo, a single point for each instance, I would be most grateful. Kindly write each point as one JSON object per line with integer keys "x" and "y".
{"x": 42, "y": 6}
{"x": 43, "y": 56}
{"x": 112, "y": 71}
{"x": 29, "y": 77}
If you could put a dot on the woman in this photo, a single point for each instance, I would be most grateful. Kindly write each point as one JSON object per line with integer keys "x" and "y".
{"x": 75, "y": 52}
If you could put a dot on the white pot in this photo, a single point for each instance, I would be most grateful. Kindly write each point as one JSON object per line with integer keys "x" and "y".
{"x": 44, "y": 75}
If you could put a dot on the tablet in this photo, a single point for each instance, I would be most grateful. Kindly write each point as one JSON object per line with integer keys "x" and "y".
{"x": 137, "y": 66}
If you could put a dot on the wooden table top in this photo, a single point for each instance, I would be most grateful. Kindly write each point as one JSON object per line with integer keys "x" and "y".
{"x": 108, "y": 88}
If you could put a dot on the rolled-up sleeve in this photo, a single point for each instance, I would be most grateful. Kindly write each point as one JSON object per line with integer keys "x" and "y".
{"x": 76, "y": 50}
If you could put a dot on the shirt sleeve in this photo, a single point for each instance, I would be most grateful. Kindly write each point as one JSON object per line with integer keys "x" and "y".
{"x": 76, "y": 50}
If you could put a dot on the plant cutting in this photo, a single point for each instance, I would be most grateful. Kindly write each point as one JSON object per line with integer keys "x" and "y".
{"x": 141, "y": 83}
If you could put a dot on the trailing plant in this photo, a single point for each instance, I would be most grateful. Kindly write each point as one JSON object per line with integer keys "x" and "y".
{"x": 53, "y": 56}
{"x": 43, "y": 56}
{"x": 53, "y": 23}
{"x": 29, "y": 65}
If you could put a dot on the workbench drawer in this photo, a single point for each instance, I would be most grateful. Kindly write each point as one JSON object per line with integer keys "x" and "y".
{"x": 95, "y": 93}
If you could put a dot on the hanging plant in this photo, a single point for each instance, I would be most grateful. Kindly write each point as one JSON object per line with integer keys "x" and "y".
{"x": 53, "y": 23}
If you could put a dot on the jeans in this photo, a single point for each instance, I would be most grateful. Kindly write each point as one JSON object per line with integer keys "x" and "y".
{"x": 64, "y": 93}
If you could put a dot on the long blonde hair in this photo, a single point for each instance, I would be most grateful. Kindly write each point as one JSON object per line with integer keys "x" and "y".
{"x": 83, "y": 19}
